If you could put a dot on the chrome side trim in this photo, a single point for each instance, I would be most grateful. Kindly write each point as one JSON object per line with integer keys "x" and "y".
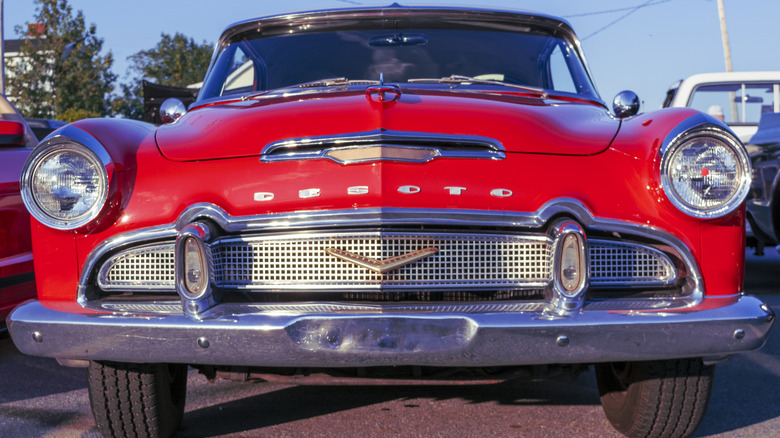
{"x": 376, "y": 217}
{"x": 440, "y": 145}
{"x": 287, "y": 339}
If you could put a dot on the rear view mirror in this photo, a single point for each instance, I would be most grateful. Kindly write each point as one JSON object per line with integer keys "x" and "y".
{"x": 12, "y": 134}
{"x": 749, "y": 99}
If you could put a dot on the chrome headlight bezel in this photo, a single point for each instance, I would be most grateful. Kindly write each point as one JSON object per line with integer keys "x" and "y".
{"x": 708, "y": 136}
{"x": 84, "y": 148}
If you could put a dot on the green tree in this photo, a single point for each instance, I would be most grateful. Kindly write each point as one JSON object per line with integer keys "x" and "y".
{"x": 62, "y": 75}
{"x": 176, "y": 61}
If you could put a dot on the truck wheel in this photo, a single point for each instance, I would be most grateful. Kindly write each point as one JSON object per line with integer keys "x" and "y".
{"x": 665, "y": 398}
{"x": 137, "y": 400}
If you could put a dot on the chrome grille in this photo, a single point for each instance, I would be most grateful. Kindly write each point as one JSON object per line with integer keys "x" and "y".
{"x": 464, "y": 262}
{"x": 621, "y": 263}
{"x": 147, "y": 267}
{"x": 471, "y": 261}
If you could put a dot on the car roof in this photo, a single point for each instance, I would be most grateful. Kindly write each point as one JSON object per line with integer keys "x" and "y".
{"x": 734, "y": 76}
{"x": 685, "y": 86}
{"x": 302, "y": 21}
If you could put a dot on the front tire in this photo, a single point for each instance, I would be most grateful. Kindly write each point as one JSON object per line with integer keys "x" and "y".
{"x": 137, "y": 400}
{"x": 665, "y": 398}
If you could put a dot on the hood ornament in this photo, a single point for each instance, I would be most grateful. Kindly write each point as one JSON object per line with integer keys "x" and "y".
{"x": 383, "y": 92}
{"x": 382, "y": 266}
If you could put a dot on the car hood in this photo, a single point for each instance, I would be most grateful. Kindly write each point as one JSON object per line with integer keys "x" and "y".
{"x": 518, "y": 123}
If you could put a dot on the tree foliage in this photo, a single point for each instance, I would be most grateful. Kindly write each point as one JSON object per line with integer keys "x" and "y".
{"x": 62, "y": 74}
{"x": 176, "y": 61}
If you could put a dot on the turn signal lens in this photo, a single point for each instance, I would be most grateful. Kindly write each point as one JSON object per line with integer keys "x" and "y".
{"x": 572, "y": 265}
{"x": 195, "y": 275}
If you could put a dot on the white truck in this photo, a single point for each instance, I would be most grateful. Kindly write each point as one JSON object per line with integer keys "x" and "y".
{"x": 737, "y": 98}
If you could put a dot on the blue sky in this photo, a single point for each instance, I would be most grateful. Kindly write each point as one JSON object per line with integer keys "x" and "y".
{"x": 644, "y": 49}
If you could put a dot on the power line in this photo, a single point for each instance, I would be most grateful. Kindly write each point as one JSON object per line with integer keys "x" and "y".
{"x": 612, "y": 11}
{"x": 630, "y": 11}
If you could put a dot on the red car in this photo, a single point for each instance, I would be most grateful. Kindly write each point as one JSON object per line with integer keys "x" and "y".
{"x": 17, "y": 281}
{"x": 398, "y": 194}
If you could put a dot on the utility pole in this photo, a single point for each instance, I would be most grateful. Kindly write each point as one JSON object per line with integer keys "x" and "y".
{"x": 724, "y": 35}
{"x": 727, "y": 55}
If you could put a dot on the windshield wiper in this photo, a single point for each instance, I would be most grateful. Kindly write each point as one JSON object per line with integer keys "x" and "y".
{"x": 459, "y": 79}
{"x": 329, "y": 82}
{"x": 319, "y": 83}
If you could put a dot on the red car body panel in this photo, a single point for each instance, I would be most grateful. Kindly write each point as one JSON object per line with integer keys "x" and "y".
{"x": 521, "y": 124}
{"x": 16, "y": 261}
{"x": 161, "y": 188}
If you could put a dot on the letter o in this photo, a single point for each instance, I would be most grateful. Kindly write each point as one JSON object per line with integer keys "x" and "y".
{"x": 501, "y": 193}
{"x": 409, "y": 189}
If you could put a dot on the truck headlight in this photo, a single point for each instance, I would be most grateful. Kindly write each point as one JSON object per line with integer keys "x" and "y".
{"x": 64, "y": 184}
{"x": 706, "y": 172}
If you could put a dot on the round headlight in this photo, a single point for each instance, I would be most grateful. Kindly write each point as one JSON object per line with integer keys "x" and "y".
{"x": 64, "y": 185}
{"x": 706, "y": 173}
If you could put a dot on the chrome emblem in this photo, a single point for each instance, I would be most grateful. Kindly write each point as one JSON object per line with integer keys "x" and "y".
{"x": 364, "y": 190}
{"x": 382, "y": 266}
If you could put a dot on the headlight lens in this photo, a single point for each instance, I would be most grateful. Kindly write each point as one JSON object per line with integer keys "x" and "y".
{"x": 706, "y": 173}
{"x": 64, "y": 185}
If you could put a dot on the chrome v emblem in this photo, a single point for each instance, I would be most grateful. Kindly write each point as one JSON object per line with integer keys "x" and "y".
{"x": 382, "y": 266}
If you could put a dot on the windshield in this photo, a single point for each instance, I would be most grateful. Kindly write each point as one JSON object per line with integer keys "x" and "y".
{"x": 251, "y": 63}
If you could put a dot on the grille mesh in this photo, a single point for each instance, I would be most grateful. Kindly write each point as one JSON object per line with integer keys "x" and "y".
{"x": 618, "y": 262}
{"x": 465, "y": 262}
{"x": 486, "y": 261}
{"x": 149, "y": 267}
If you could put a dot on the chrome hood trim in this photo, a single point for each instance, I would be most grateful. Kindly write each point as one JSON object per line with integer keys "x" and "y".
{"x": 436, "y": 145}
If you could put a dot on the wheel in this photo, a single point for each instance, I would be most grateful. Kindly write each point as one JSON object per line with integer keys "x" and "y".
{"x": 664, "y": 398}
{"x": 137, "y": 400}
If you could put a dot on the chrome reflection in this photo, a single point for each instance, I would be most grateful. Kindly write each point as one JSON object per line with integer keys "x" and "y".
{"x": 382, "y": 144}
{"x": 571, "y": 267}
{"x": 626, "y": 104}
{"x": 171, "y": 110}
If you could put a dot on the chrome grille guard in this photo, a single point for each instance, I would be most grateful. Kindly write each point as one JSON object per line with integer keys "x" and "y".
{"x": 318, "y": 221}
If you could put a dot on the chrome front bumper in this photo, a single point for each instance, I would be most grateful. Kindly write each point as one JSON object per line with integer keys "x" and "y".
{"x": 367, "y": 339}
